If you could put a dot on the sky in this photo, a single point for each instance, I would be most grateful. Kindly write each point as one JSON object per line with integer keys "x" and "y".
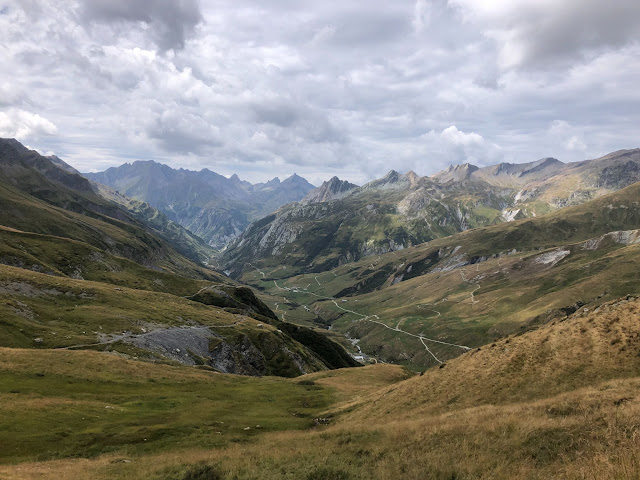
{"x": 320, "y": 88}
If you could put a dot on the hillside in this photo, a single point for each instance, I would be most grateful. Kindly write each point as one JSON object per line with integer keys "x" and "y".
{"x": 185, "y": 242}
{"x": 41, "y": 197}
{"x": 213, "y": 207}
{"x": 471, "y": 288}
{"x": 338, "y": 223}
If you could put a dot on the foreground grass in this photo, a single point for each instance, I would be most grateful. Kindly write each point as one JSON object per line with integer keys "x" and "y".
{"x": 58, "y": 404}
{"x": 536, "y": 440}
{"x": 562, "y": 401}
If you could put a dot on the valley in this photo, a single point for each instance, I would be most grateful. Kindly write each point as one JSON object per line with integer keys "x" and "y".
{"x": 471, "y": 288}
{"x": 558, "y": 401}
{"x": 490, "y": 346}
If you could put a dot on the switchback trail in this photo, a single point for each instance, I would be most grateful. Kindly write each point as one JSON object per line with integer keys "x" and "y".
{"x": 369, "y": 318}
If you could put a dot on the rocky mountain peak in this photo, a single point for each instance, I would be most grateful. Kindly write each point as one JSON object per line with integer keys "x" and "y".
{"x": 412, "y": 176}
{"x": 542, "y": 164}
{"x": 329, "y": 190}
{"x": 455, "y": 173}
{"x": 392, "y": 180}
{"x": 391, "y": 177}
{"x": 296, "y": 179}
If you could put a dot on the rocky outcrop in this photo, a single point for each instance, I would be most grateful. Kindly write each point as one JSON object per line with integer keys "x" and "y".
{"x": 330, "y": 190}
{"x": 258, "y": 352}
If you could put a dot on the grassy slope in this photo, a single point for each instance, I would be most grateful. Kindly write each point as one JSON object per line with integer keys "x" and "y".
{"x": 38, "y": 196}
{"x": 72, "y": 258}
{"x": 26, "y": 213}
{"x": 562, "y": 401}
{"x": 51, "y": 407}
{"x": 65, "y": 312}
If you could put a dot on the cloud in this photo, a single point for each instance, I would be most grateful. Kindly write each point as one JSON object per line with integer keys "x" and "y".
{"x": 421, "y": 15}
{"x": 565, "y": 134}
{"x": 182, "y": 132}
{"x": 24, "y": 125}
{"x": 543, "y": 33}
{"x": 170, "y": 21}
{"x": 456, "y": 137}
{"x": 339, "y": 87}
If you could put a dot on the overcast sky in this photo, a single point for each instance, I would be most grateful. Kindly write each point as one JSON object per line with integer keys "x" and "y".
{"x": 321, "y": 88}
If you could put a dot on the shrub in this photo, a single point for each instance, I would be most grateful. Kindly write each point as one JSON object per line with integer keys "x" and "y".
{"x": 203, "y": 472}
{"x": 326, "y": 473}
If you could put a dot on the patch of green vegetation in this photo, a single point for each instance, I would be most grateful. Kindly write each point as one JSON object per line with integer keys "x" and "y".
{"x": 52, "y": 408}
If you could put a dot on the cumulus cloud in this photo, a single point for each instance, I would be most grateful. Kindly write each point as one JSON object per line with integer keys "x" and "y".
{"x": 24, "y": 125}
{"x": 452, "y": 146}
{"x": 567, "y": 135}
{"x": 169, "y": 21}
{"x": 456, "y": 137}
{"x": 544, "y": 32}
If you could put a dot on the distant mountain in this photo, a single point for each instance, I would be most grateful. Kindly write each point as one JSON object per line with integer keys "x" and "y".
{"x": 329, "y": 190}
{"x": 210, "y": 205}
{"x": 339, "y": 222}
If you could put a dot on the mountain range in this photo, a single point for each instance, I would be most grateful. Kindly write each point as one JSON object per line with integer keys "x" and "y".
{"x": 214, "y": 207}
{"x": 338, "y": 222}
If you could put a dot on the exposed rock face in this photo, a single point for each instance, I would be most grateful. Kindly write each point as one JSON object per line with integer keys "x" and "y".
{"x": 263, "y": 353}
{"x": 626, "y": 237}
{"x": 330, "y": 190}
{"x": 455, "y": 173}
{"x": 392, "y": 181}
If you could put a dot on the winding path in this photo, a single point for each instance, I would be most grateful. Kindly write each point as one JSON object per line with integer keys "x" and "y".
{"x": 369, "y": 318}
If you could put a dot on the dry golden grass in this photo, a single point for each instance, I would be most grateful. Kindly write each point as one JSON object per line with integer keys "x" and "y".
{"x": 581, "y": 435}
{"x": 587, "y": 348}
{"x": 353, "y": 384}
